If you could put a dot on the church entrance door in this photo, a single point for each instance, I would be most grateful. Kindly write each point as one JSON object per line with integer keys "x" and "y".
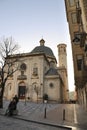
{"x": 22, "y": 92}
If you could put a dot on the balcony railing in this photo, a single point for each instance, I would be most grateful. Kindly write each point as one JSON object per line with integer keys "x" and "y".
{"x": 81, "y": 38}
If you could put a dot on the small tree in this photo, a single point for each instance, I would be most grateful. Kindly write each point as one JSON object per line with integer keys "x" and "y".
{"x": 7, "y": 65}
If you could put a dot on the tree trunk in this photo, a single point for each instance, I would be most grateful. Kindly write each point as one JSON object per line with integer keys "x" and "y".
{"x": 1, "y": 102}
{"x": 1, "y": 96}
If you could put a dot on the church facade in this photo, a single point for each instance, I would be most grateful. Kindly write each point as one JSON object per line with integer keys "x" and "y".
{"x": 39, "y": 75}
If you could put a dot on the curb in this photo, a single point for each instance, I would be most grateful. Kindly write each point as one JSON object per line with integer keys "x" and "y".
{"x": 43, "y": 123}
{"x": 39, "y": 122}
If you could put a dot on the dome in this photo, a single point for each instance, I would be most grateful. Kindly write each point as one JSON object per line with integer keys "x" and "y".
{"x": 52, "y": 71}
{"x": 43, "y": 49}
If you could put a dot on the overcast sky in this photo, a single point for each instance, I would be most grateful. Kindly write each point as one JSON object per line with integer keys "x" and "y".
{"x": 28, "y": 21}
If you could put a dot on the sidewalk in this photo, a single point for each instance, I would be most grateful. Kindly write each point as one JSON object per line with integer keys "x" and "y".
{"x": 62, "y": 115}
{"x": 75, "y": 117}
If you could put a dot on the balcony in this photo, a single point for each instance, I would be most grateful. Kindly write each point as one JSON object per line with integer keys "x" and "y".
{"x": 80, "y": 37}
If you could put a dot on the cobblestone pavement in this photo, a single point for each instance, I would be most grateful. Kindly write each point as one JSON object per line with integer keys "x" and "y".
{"x": 74, "y": 117}
{"x": 8, "y": 123}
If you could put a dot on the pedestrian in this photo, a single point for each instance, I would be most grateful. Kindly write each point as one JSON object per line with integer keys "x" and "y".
{"x": 16, "y": 98}
{"x": 11, "y": 107}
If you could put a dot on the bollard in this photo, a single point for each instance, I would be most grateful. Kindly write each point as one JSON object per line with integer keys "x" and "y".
{"x": 63, "y": 114}
{"x": 45, "y": 112}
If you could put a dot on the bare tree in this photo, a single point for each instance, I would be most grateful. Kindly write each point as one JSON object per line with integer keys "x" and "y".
{"x": 8, "y": 47}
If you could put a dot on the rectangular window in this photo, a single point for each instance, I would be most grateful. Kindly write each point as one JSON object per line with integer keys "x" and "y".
{"x": 79, "y": 62}
{"x": 35, "y": 71}
{"x": 74, "y": 17}
{"x": 85, "y": 8}
{"x": 71, "y": 2}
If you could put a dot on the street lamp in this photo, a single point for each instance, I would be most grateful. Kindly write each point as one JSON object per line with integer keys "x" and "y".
{"x": 45, "y": 110}
{"x": 45, "y": 99}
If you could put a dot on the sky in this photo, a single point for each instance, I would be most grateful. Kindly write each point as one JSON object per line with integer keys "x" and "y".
{"x": 28, "y": 21}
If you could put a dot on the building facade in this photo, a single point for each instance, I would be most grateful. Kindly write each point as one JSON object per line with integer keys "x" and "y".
{"x": 38, "y": 74}
{"x": 76, "y": 13}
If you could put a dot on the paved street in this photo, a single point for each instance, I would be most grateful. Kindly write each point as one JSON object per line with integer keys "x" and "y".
{"x": 74, "y": 116}
{"x": 8, "y": 123}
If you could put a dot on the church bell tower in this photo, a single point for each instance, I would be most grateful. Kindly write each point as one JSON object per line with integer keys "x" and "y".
{"x": 62, "y": 55}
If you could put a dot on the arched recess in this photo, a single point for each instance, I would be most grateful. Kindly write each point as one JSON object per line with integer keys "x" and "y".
{"x": 8, "y": 94}
{"x": 34, "y": 92}
{"x": 21, "y": 90}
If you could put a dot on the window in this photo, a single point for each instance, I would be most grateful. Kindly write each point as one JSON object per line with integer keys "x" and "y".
{"x": 22, "y": 73}
{"x": 74, "y": 18}
{"x": 51, "y": 85}
{"x": 35, "y": 71}
{"x": 71, "y": 2}
{"x": 79, "y": 62}
{"x": 85, "y": 8}
{"x": 10, "y": 87}
{"x": 23, "y": 66}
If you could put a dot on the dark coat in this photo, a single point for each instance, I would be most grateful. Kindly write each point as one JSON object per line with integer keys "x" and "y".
{"x": 16, "y": 99}
{"x": 12, "y": 105}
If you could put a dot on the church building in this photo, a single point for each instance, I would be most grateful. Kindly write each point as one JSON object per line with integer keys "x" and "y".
{"x": 39, "y": 75}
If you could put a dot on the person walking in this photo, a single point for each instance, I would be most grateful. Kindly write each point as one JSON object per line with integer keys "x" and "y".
{"x": 16, "y": 99}
{"x": 11, "y": 107}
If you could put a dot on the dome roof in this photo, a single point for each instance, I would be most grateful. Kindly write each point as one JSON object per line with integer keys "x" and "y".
{"x": 43, "y": 49}
{"x": 52, "y": 71}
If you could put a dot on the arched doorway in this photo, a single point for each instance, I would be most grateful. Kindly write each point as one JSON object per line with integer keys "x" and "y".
{"x": 21, "y": 90}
